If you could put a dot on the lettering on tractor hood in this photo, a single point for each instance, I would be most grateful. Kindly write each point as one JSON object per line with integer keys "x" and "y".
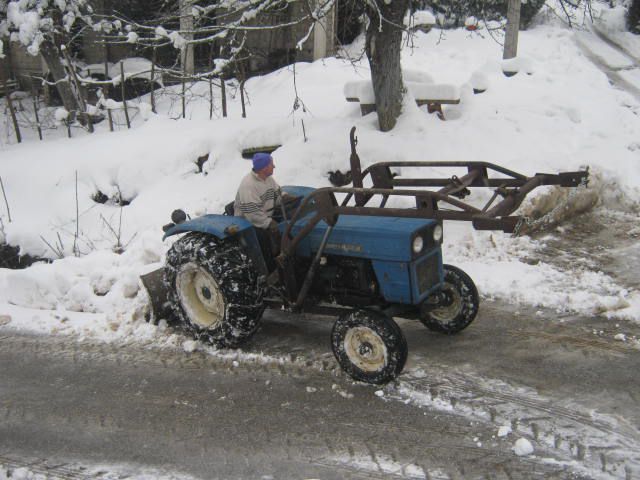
{"x": 346, "y": 247}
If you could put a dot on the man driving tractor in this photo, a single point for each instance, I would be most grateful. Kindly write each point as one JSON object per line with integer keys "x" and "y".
{"x": 257, "y": 198}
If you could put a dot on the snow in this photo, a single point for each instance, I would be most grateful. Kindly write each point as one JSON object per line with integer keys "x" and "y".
{"x": 611, "y": 21}
{"x": 541, "y": 122}
{"x": 134, "y": 67}
{"x": 479, "y": 80}
{"x": 470, "y": 22}
{"x": 61, "y": 114}
{"x": 107, "y": 472}
{"x": 523, "y": 447}
{"x": 30, "y": 24}
{"x": 517, "y": 64}
{"x": 132, "y": 37}
{"x": 420, "y": 17}
{"x": 608, "y": 55}
{"x": 434, "y": 92}
{"x": 420, "y": 85}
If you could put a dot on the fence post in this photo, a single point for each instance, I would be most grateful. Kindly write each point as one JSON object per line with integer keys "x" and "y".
{"x": 210, "y": 98}
{"x": 7, "y": 95}
{"x": 124, "y": 102}
{"x": 184, "y": 87}
{"x": 12, "y": 110}
{"x": 34, "y": 94}
{"x": 223, "y": 91}
{"x": 244, "y": 112}
{"x": 153, "y": 70}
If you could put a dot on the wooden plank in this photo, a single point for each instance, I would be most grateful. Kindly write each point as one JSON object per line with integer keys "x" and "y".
{"x": 425, "y": 101}
{"x": 366, "y": 108}
{"x": 248, "y": 153}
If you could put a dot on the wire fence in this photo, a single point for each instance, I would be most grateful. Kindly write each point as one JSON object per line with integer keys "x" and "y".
{"x": 27, "y": 114}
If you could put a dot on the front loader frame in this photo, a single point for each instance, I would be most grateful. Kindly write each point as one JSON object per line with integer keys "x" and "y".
{"x": 443, "y": 204}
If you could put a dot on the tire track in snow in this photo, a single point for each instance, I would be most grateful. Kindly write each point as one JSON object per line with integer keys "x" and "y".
{"x": 613, "y": 73}
{"x": 602, "y": 444}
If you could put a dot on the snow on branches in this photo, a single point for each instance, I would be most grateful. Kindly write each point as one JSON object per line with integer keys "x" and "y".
{"x": 31, "y": 21}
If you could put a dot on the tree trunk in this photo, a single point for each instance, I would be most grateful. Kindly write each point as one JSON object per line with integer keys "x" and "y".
{"x": 186, "y": 28}
{"x": 51, "y": 56}
{"x": 513, "y": 25}
{"x": 633, "y": 17}
{"x": 384, "y": 40}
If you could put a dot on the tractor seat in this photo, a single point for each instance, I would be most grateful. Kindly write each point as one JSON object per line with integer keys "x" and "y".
{"x": 229, "y": 208}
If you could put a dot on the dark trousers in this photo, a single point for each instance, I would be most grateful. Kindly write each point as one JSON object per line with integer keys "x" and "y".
{"x": 269, "y": 241}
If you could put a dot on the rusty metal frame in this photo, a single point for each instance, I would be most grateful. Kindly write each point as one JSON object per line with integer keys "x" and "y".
{"x": 444, "y": 204}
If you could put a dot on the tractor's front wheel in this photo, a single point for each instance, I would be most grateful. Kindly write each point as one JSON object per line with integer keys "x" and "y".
{"x": 213, "y": 289}
{"x": 369, "y": 346}
{"x": 457, "y": 304}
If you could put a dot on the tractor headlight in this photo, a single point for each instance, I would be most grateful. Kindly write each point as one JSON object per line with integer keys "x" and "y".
{"x": 418, "y": 243}
{"x": 437, "y": 233}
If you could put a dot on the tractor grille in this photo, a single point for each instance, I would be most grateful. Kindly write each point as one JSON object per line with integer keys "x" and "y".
{"x": 427, "y": 273}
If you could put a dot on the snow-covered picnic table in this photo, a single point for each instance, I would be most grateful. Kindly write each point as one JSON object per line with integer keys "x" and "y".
{"x": 420, "y": 86}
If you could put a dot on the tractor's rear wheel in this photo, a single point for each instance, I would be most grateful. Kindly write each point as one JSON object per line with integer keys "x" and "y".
{"x": 369, "y": 346}
{"x": 213, "y": 289}
{"x": 457, "y": 306}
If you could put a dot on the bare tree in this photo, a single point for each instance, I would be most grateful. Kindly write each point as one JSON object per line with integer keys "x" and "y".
{"x": 44, "y": 28}
{"x": 228, "y": 24}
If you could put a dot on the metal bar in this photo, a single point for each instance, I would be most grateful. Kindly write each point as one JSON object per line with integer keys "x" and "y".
{"x": 487, "y": 165}
{"x": 443, "y": 182}
{"x": 312, "y": 270}
{"x": 400, "y": 193}
{"x": 408, "y": 213}
{"x": 356, "y": 174}
{"x": 288, "y": 244}
{"x": 511, "y": 202}
{"x": 491, "y": 200}
{"x": 347, "y": 198}
{"x": 458, "y": 184}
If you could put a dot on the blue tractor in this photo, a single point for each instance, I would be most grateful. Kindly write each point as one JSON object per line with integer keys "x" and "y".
{"x": 357, "y": 258}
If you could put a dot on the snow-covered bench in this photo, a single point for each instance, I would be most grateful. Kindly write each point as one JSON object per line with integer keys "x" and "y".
{"x": 424, "y": 92}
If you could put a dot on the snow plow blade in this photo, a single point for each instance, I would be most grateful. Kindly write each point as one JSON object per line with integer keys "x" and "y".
{"x": 154, "y": 284}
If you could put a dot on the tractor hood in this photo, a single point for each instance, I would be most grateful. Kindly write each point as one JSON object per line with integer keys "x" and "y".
{"x": 371, "y": 237}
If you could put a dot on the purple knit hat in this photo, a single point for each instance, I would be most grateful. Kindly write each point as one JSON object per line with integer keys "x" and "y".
{"x": 261, "y": 160}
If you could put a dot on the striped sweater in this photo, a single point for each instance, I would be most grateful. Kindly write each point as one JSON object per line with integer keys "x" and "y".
{"x": 256, "y": 199}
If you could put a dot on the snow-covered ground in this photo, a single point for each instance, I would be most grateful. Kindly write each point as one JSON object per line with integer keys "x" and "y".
{"x": 562, "y": 115}
{"x": 106, "y": 472}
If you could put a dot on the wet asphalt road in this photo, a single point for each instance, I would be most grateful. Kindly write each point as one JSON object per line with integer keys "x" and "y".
{"x": 77, "y": 405}
{"x": 83, "y": 404}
